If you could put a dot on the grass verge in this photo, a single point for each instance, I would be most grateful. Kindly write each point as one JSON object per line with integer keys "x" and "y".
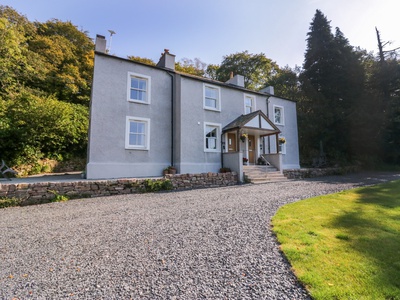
{"x": 345, "y": 245}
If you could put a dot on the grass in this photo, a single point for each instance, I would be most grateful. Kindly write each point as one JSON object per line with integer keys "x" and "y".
{"x": 345, "y": 245}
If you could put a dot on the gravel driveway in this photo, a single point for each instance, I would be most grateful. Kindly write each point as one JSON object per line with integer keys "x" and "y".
{"x": 198, "y": 244}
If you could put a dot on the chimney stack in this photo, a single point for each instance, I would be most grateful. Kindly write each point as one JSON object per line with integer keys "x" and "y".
{"x": 167, "y": 60}
{"x": 237, "y": 80}
{"x": 101, "y": 43}
{"x": 268, "y": 90}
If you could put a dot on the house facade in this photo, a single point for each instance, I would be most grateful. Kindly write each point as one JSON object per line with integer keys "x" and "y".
{"x": 144, "y": 118}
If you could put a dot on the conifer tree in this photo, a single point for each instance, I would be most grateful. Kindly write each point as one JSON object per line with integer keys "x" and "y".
{"x": 332, "y": 81}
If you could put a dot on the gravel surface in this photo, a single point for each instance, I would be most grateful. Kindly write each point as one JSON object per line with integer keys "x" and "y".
{"x": 198, "y": 244}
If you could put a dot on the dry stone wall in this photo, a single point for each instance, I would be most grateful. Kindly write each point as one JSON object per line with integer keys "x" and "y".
{"x": 42, "y": 192}
{"x": 317, "y": 172}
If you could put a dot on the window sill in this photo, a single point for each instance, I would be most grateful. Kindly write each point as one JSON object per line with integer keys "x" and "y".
{"x": 212, "y": 151}
{"x": 137, "y": 148}
{"x": 138, "y": 101}
{"x": 211, "y": 109}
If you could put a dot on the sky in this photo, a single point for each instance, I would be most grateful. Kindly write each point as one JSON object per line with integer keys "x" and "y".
{"x": 211, "y": 29}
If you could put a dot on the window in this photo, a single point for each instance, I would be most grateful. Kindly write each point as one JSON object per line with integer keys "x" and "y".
{"x": 212, "y": 137}
{"x": 137, "y": 133}
{"x": 249, "y": 104}
{"x": 278, "y": 115}
{"x": 212, "y": 98}
{"x": 139, "y": 88}
{"x": 282, "y": 147}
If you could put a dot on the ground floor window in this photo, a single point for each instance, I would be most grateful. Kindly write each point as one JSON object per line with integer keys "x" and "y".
{"x": 212, "y": 134}
{"x": 282, "y": 145}
{"x": 137, "y": 134}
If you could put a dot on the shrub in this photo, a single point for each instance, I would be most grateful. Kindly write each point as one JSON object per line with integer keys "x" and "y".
{"x": 9, "y": 202}
{"x": 150, "y": 185}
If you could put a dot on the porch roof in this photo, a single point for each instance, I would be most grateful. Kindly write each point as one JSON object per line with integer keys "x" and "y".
{"x": 255, "y": 122}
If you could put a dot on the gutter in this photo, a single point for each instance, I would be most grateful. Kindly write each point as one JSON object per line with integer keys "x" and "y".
{"x": 269, "y": 144}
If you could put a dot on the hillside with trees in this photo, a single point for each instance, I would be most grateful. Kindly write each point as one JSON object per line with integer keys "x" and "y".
{"x": 45, "y": 78}
{"x": 348, "y": 99}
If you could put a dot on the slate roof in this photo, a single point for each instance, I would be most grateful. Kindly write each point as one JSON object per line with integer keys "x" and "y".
{"x": 242, "y": 120}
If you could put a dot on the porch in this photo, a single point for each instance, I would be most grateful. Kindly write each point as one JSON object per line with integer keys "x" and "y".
{"x": 248, "y": 141}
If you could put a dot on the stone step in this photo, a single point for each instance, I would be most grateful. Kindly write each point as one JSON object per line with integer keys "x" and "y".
{"x": 262, "y": 174}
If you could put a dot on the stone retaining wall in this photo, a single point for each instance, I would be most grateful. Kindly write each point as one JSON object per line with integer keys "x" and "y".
{"x": 42, "y": 192}
{"x": 316, "y": 172}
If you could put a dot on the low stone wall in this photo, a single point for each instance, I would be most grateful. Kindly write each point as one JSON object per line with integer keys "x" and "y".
{"x": 42, "y": 192}
{"x": 316, "y": 172}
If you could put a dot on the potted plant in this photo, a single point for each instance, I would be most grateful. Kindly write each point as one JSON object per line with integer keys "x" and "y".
{"x": 225, "y": 170}
{"x": 282, "y": 140}
{"x": 261, "y": 161}
{"x": 243, "y": 137}
{"x": 169, "y": 170}
{"x": 245, "y": 160}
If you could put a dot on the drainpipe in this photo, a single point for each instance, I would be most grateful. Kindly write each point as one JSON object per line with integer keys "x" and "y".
{"x": 222, "y": 150}
{"x": 269, "y": 144}
{"x": 172, "y": 115}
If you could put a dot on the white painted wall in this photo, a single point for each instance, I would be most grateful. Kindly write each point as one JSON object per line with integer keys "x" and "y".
{"x": 107, "y": 156}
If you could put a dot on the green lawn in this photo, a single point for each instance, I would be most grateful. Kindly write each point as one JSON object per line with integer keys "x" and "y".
{"x": 345, "y": 245}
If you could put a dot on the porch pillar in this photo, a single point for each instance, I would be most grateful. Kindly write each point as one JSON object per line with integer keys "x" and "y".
{"x": 277, "y": 143}
{"x": 238, "y": 140}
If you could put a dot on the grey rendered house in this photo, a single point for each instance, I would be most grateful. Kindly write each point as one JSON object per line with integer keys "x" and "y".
{"x": 144, "y": 118}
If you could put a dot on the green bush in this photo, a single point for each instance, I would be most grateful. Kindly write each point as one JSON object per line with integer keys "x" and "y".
{"x": 9, "y": 202}
{"x": 150, "y": 185}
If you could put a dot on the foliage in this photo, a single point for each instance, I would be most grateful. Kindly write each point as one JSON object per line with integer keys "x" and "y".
{"x": 334, "y": 243}
{"x": 332, "y": 81}
{"x": 36, "y": 127}
{"x": 195, "y": 67}
{"x": 57, "y": 197}
{"x": 9, "y": 202}
{"x": 257, "y": 69}
{"x": 143, "y": 60}
{"x": 286, "y": 83}
{"x": 151, "y": 185}
{"x": 67, "y": 54}
{"x": 45, "y": 79}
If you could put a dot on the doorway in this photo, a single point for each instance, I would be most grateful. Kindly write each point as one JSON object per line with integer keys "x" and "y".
{"x": 252, "y": 148}
{"x": 231, "y": 142}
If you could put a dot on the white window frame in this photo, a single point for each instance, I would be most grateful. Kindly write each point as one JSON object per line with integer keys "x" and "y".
{"x": 282, "y": 114}
{"x": 218, "y": 137}
{"x": 218, "y": 100}
{"x": 148, "y": 88}
{"x": 130, "y": 119}
{"x": 282, "y": 147}
{"x": 253, "y": 101}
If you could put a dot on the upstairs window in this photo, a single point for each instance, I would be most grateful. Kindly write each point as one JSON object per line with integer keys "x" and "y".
{"x": 139, "y": 88}
{"x": 278, "y": 115}
{"x": 249, "y": 104}
{"x": 211, "y": 98}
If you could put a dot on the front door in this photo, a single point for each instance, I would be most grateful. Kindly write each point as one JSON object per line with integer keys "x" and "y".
{"x": 252, "y": 148}
{"x": 231, "y": 142}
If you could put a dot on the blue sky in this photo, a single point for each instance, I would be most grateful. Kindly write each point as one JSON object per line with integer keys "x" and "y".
{"x": 210, "y": 29}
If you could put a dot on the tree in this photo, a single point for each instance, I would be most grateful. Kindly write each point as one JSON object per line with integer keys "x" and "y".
{"x": 332, "y": 81}
{"x": 286, "y": 83}
{"x": 144, "y": 60}
{"x": 42, "y": 127}
{"x": 15, "y": 31}
{"x": 68, "y": 56}
{"x": 189, "y": 66}
{"x": 257, "y": 69}
{"x": 41, "y": 64}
